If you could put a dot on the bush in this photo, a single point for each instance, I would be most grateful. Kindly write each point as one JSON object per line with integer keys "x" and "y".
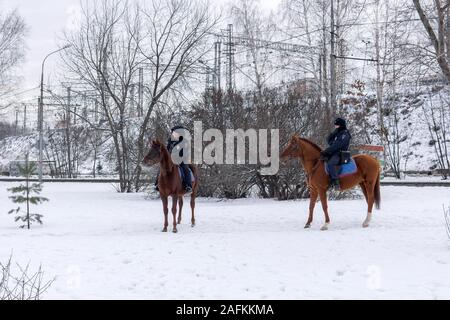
{"x": 447, "y": 221}
{"x": 25, "y": 285}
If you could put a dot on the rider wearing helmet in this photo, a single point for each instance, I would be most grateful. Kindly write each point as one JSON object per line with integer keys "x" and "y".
{"x": 172, "y": 144}
{"x": 338, "y": 141}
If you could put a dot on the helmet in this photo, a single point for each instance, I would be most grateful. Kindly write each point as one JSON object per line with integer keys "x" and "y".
{"x": 340, "y": 122}
{"x": 179, "y": 127}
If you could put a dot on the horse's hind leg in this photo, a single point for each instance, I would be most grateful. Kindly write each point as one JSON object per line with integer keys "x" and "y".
{"x": 324, "y": 201}
{"x": 174, "y": 213}
{"x": 165, "y": 202}
{"x": 363, "y": 189}
{"x": 180, "y": 208}
{"x": 368, "y": 190}
{"x": 193, "y": 209}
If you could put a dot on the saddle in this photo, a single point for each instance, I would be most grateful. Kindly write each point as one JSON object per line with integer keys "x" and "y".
{"x": 347, "y": 165}
{"x": 348, "y": 168}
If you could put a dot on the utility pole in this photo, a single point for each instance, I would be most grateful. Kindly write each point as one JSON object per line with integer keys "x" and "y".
{"x": 132, "y": 112}
{"x": 377, "y": 53}
{"x": 41, "y": 113}
{"x": 209, "y": 83}
{"x": 16, "y": 124}
{"x": 24, "y": 119}
{"x": 333, "y": 102}
{"x": 380, "y": 81}
{"x": 217, "y": 65}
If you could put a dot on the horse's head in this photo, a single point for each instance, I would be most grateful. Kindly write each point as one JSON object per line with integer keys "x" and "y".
{"x": 293, "y": 149}
{"x": 154, "y": 155}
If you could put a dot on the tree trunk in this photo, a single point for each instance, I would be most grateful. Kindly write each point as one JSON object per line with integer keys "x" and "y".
{"x": 438, "y": 40}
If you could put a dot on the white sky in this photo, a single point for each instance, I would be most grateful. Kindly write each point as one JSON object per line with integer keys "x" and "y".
{"x": 46, "y": 20}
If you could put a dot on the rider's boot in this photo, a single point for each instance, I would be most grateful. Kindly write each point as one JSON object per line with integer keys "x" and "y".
{"x": 335, "y": 185}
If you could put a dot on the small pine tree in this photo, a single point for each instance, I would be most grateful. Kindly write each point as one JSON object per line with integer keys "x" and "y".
{"x": 28, "y": 194}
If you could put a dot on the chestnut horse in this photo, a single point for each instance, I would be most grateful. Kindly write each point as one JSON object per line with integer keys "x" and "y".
{"x": 367, "y": 176}
{"x": 170, "y": 183}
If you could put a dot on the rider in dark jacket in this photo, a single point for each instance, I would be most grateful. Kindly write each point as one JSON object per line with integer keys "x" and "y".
{"x": 338, "y": 140}
{"x": 172, "y": 143}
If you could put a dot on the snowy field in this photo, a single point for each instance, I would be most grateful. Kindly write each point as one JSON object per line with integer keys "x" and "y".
{"x": 103, "y": 245}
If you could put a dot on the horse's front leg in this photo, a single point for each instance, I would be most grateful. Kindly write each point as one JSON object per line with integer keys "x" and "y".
{"x": 324, "y": 201}
{"x": 174, "y": 213}
{"x": 312, "y": 204}
{"x": 180, "y": 208}
{"x": 165, "y": 202}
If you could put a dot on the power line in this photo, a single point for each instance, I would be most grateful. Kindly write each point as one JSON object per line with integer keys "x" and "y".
{"x": 9, "y": 95}
{"x": 382, "y": 22}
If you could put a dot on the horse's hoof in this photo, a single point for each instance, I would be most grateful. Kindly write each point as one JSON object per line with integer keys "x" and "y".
{"x": 324, "y": 227}
{"x": 164, "y": 230}
{"x": 365, "y": 225}
{"x": 193, "y": 225}
{"x": 175, "y": 231}
{"x": 308, "y": 226}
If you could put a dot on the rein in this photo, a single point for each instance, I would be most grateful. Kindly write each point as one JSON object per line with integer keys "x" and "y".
{"x": 165, "y": 163}
{"x": 314, "y": 169}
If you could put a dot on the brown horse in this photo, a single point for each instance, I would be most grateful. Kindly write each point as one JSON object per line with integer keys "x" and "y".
{"x": 367, "y": 176}
{"x": 170, "y": 183}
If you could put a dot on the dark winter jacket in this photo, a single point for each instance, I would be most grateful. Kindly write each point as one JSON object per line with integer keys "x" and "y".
{"x": 173, "y": 144}
{"x": 338, "y": 140}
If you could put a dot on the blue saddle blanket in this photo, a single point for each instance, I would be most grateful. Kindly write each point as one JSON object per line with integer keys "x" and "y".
{"x": 346, "y": 169}
{"x": 182, "y": 174}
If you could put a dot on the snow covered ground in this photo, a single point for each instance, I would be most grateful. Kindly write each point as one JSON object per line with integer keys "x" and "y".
{"x": 103, "y": 245}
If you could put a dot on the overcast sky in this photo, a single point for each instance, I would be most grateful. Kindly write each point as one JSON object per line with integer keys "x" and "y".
{"x": 46, "y": 20}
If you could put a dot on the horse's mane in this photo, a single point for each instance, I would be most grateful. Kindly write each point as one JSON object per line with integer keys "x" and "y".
{"x": 161, "y": 145}
{"x": 158, "y": 143}
{"x": 315, "y": 146}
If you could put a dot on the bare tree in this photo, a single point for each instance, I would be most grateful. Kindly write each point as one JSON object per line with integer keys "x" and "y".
{"x": 253, "y": 24}
{"x": 437, "y": 117}
{"x": 447, "y": 221}
{"x": 437, "y": 32}
{"x": 117, "y": 40}
{"x": 104, "y": 54}
{"x": 23, "y": 284}
{"x": 174, "y": 40}
{"x": 12, "y": 44}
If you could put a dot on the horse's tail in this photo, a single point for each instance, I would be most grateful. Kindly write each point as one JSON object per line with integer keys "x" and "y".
{"x": 377, "y": 194}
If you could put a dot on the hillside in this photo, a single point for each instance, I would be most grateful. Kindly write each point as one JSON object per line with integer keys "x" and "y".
{"x": 413, "y": 112}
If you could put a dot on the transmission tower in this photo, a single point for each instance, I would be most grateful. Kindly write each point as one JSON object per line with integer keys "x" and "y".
{"x": 229, "y": 53}
{"x": 231, "y": 41}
